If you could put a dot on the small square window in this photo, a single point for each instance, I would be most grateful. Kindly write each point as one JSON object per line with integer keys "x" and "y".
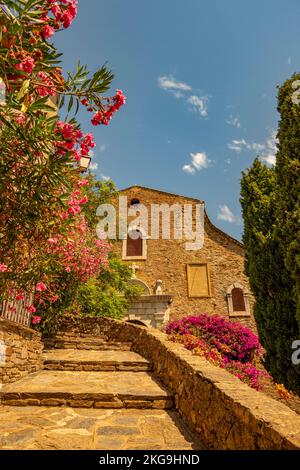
{"x": 198, "y": 280}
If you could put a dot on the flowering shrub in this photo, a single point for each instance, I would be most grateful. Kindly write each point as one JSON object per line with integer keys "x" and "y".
{"x": 229, "y": 345}
{"x": 47, "y": 244}
{"x": 233, "y": 340}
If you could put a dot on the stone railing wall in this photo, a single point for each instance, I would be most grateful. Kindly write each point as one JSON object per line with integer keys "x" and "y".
{"x": 152, "y": 310}
{"x": 225, "y": 412}
{"x": 20, "y": 351}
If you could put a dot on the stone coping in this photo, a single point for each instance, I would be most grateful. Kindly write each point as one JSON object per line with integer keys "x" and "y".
{"x": 224, "y": 411}
{"x": 12, "y": 327}
{"x": 153, "y": 298}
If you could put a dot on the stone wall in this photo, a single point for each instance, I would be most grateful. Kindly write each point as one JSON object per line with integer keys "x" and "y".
{"x": 167, "y": 260}
{"x": 225, "y": 412}
{"x": 20, "y": 351}
{"x": 152, "y": 310}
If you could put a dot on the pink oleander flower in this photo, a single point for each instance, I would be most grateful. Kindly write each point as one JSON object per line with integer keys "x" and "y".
{"x": 103, "y": 116}
{"x": 56, "y": 10}
{"x": 36, "y": 320}
{"x": 84, "y": 200}
{"x": 46, "y": 86}
{"x": 40, "y": 287}
{"x": 31, "y": 309}
{"x": 3, "y": 268}
{"x": 52, "y": 241}
{"x": 27, "y": 65}
{"x": 20, "y": 296}
{"x": 20, "y": 119}
{"x": 48, "y": 32}
{"x": 83, "y": 182}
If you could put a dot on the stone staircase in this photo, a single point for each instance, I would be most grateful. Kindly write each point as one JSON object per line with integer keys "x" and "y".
{"x": 72, "y": 341}
{"x": 82, "y": 372}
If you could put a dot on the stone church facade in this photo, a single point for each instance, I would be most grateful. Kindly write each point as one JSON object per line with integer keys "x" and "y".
{"x": 177, "y": 282}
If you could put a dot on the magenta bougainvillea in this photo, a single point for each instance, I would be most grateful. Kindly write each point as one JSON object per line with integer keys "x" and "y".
{"x": 233, "y": 340}
{"x": 226, "y": 344}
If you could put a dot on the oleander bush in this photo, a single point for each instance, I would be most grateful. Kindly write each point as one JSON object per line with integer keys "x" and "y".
{"x": 48, "y": 244}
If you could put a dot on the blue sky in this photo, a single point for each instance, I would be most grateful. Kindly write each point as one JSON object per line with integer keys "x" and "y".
{"x": 200, "y": 78}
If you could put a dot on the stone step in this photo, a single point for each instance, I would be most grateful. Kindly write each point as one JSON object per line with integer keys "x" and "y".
{"x": 88, "y": 343}
{"x": 74, "y": 359}
{"x": 88, "y": 389}
{"x": 68, "y": 334}
{"x": 65, "y": 428}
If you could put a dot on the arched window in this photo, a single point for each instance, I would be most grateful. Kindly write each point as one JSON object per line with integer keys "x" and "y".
{"x": 134, "y": 246}
{"x": 237, "y": 300}
{"x": 134, "y": 202}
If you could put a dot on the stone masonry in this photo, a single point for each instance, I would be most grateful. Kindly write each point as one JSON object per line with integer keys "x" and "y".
{"x": 151, "y": 310}
{"x": 20, "y": 351}
{"x": 91, "y": 394}
{"x": 167, "y": 260}
{"x": 222, "y": 410}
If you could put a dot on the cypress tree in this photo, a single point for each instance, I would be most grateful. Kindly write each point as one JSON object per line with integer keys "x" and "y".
{"x": 288, "y": 177}
{"x": 270, "y": 280}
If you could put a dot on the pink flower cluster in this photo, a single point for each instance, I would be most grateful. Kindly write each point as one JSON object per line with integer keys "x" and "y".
{"x": 104, "y": 115}
{"x": 3, "y": 268}
{"x": 76, "y": 257}
{"x": 228, "y": 345}
{"x": 64, "y": 13}
{"x": 27, "y": 65}
{"x": 231, "y": 339}
{"x": 73, "y": 140}
{"x": 36, "y": 320}
{"x": 45, "y": 86}
{"x": 246, "y": 372}
{"x": 75, "y": 203}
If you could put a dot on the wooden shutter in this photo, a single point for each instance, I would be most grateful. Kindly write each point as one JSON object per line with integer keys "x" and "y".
{"x": 135, "y": 246}
{"x": 238, "y": 301}
{"x": 198, "y": 280}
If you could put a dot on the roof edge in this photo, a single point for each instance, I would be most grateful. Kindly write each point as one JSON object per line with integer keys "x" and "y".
{"x": 160, "y": 191}
{"x": 221, "y": 232}
{"x": 224, "y": 234}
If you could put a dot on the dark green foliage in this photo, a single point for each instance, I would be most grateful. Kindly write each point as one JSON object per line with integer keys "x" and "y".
{"x": 271, "y": 282}
{"x": 288, "y": 174}
{"x": 98, "y": 192}
{"x": 109, "y": 294}
{"x": 271, "y": 209}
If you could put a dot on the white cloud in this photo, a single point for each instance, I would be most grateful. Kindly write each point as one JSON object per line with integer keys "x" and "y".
{"x": 168, "y": 82}
{"x": 226, "y": 214}
{"x": 269, "y": 155}
{"x": 199, "y": 104}
{"x": 267, "y": 151}
{"x": 234, "y": 121}
{"x": 237, "y": 145}
{"x": 270, "y": 159}
{"x": 182, "y": 90}
{"x": 93, "y": 166}
{"x": 104, "y": 178}
{"x": 198, "y": 162}
{"x": 189, "y": 169}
